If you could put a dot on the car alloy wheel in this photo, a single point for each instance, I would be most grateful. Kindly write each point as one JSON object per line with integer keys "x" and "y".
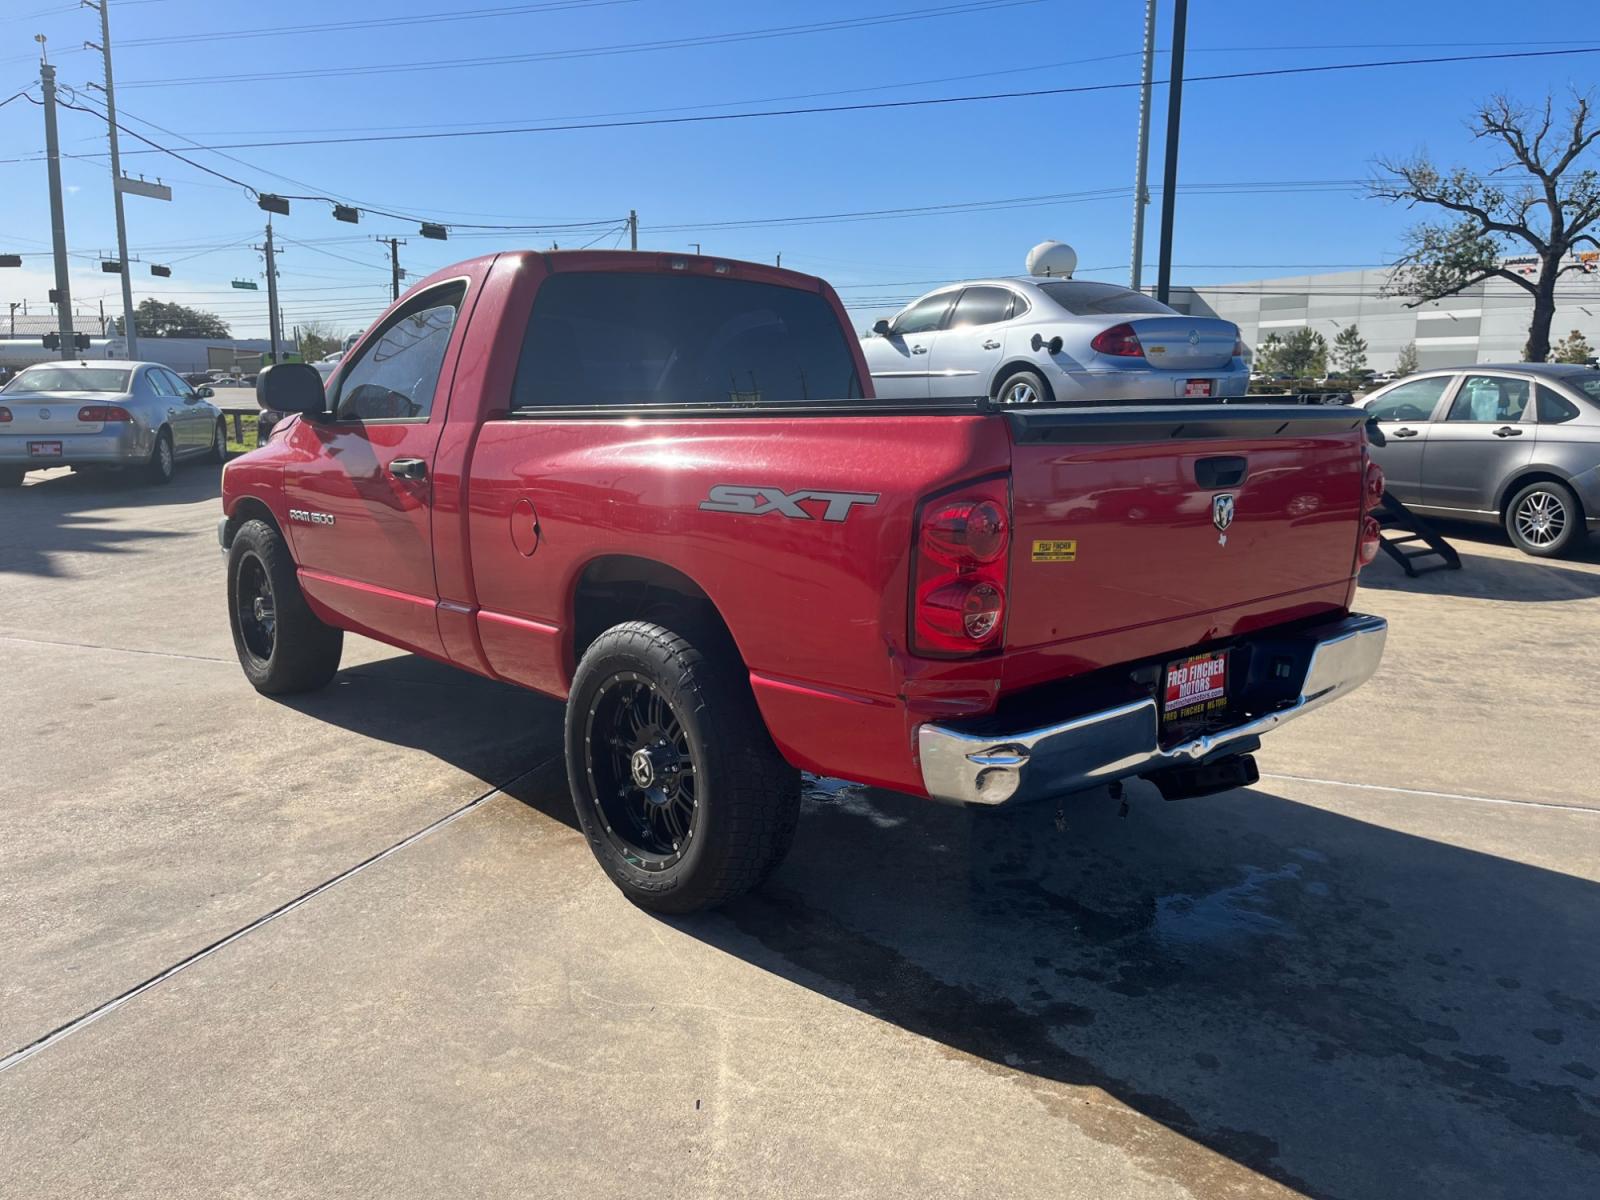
{"x": 1022, "y": 393}
{"x": 1541, "y": 518}
{"x": 641, "y": 771}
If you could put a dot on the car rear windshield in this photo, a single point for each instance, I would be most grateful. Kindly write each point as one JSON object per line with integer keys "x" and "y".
{"x": 611, "y": 338}
{"x": 1083, "y": 299}
{"x": 1588, "y": 384}
{"x": 69, "y": 379}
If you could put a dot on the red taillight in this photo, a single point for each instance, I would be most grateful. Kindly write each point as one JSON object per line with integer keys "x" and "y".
{"x": 1119, "y": 341}
{"x": 5, "y": 414}
{"x": 1376, "y": 485}
{"x": 104, "y": 412}
{"x": 959, "y": 587}
{"x": 1238, "y": 347}
{"x": 1368, "y": 550}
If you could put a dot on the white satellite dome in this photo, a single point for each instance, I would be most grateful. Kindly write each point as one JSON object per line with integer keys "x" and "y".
{"x": 1056, "y": 259}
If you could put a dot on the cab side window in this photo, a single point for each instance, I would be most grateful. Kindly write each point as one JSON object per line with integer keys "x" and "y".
{"x": 1414, "y": 401}
{"x": 398, "y": 372}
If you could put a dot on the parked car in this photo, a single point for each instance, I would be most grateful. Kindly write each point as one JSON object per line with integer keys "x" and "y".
{"x": 1517, "y": 445}
{"x": 655, "y": 486}
{"x": 328, "y": 364}
{"x": 105, "y": 414}
{"x": 1031, "y": 340}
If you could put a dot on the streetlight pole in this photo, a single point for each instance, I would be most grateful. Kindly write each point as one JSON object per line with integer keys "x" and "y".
{"x": 1169, "y": 173}
{"x": 128, "y": 330}
{"x": 1141, "y": 187}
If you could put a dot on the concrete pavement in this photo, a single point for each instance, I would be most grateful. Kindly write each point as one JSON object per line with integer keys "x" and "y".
{"x": 1371, "y": 975}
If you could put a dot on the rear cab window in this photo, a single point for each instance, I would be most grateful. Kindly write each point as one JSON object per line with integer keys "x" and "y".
{"x": 619, "y": 339}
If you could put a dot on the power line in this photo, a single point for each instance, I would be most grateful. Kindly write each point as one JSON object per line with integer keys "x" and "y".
{"x": 933, "y": 101}
{"x": 964, "y": 8}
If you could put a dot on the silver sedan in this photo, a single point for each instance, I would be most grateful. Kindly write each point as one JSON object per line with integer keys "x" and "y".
{"x": 1036, "y": 340}
{"x": 109, "y": 414}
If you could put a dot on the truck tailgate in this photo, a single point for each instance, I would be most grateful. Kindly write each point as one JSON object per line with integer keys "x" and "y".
{"x": 1140, "y": 531}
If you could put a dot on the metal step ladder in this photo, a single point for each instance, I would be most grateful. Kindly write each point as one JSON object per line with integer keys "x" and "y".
{"x": 1419, "y": 540}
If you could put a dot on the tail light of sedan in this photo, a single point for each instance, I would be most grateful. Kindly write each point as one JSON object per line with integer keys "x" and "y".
{"x": 959, "y": 579}
{"x": 1120, "y": 341}
{"x": 104, "y": 412}
{"x": 5, "y": 414}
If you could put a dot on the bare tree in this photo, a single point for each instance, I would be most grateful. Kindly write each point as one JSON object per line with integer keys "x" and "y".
{"x": 1542, "y": 199}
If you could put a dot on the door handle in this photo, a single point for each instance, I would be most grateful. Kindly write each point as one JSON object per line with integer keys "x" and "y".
{"x": 990, "y": 344}
{"x": 919, "y": 349}
{"x": 408, "y": 468}
{"x": 1507, "y": 431}
{"x": 1405, "y": 433}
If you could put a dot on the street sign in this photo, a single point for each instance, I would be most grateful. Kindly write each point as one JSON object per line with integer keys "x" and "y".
{"x": 247, "y": 285}
{"x": 143, "y": 187}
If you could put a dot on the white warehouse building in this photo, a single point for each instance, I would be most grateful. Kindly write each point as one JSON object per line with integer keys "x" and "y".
{"x": 1486, "y": 323}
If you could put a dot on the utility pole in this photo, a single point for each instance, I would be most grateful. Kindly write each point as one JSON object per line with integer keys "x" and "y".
{"x": 1141, "y": 188}
{"x": 1169, "y": 173}
{"x": 779, "y": 263}
{"x": 633, "y": 229}
{"x": 396, "y": 274}
{"x": 274, "y": 319}
{"x": 58, "y": 223}
{"x": 128, "y": 330}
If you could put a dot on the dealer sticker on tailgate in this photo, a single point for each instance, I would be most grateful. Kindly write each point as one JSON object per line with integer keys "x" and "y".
{"x": 1196, "y": 687}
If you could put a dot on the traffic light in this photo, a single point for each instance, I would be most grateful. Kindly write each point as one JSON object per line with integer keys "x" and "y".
{"x": 52, "y": 341}
{"x": 81, "y": 341}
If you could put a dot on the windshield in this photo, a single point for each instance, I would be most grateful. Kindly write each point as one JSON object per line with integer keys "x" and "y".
{"x": 69, "y": 379}
{"x": 1083, "y": 299}
{"x": 610, "y": 337}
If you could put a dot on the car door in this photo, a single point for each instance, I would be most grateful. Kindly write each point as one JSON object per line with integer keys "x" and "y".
{"x": 359, "y": 493}
{"x": 194, "y": 418}
{"x": 168, "y": 406}
{"x": 1486, "y": 434}
{"x": 898, "y": 360}
{"x": 965, "y": 354}
{"x": 1404, "y": 415}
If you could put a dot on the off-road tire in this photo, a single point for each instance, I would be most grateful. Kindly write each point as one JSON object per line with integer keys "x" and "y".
{"x": 302, "y": 652}
{"x": 747, "y": 798}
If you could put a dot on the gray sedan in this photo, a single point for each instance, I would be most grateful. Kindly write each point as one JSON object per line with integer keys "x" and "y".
{"x": 1516, "y": 445}
{"x": 1037, "y": 340}
{"x": 105, "y": 415}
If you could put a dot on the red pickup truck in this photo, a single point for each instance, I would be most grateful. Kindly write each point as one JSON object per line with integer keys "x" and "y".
{"x": 658, "y": 487}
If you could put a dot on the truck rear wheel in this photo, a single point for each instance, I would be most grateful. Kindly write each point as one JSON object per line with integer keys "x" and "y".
{"x": 677, "y": 785}
{"x": 282, "y": 645}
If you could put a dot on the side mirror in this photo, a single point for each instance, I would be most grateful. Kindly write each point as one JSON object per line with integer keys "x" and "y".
{"x": 291, "y": 388}
{"x": 205, "y": 391}
{"x": 881, "y": 327}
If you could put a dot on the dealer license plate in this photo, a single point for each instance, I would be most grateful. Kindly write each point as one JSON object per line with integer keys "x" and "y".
{"x": 1197, "y": 387}
{"x": 1195, "y": 691}
{"x": 44, "y": 449}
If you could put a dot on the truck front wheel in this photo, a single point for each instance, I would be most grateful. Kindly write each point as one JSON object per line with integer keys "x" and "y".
{"x": 282, "y": 645}
{"x": 677, "y": 785}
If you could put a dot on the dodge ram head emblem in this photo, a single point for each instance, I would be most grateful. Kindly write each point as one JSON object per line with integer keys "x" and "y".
{"x": 1222, "y": 511}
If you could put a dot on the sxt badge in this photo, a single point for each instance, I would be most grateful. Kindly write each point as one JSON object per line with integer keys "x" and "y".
{"x": 758, "y": 501}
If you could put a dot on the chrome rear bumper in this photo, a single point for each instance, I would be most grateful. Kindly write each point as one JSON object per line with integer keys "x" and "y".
{"x": 1116, "y": 743}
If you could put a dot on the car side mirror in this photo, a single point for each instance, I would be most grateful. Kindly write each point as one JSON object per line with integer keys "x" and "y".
{"x": 205, "y": 392}
{"x": 291, "y": 388}
{"x": 881, "y": 327}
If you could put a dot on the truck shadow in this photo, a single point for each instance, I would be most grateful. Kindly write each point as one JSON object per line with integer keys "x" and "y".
{"x": 1342, "y": 1008}
{"x": 71, "y": 513}
{"x": 1330, "y": 1003}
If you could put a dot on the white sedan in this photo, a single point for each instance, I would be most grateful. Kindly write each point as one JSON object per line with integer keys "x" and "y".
{"x": 1032, "y": 340}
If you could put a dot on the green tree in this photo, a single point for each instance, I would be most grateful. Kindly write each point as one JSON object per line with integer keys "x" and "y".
{"x": 1349, "y": 352}
{"x": 1406, "y": 362}
{"x": 1574, "y": 348}
{"x": 1269, "y": 354}
{"x": 318, "y": 339}
{"x": 157, "y": 319}
{"x": 1542, "y": 198}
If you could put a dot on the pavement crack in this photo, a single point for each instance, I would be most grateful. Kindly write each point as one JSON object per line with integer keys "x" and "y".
{"x": 13, "y": 637}
{"x": 61, "y": 1032}
{"x": 1405, "y": 791}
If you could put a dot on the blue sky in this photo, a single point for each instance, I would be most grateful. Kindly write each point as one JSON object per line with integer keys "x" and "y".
{"x": 1315, "y": 128}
